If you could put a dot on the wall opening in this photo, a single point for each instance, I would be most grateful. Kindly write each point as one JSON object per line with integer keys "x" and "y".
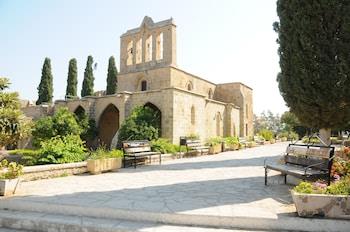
{"x": 218, "y": 124}
{"x": 79, "y": 112}
{"x": 108, "y": 125}
{"x": 193, "y": 116}
{"x": 189, "y": 86}
{"x": 157, "y": 122}
{"x": 148, "y": 51}
{"x": 143, "y": 85}
{"x": 210, "y": 94}
{"x": 139, "y": 51}
{"x": 130, "y": 54}
{"x": 159, "y": 46}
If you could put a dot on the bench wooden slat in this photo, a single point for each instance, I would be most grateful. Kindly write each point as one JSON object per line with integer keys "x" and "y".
{"x": 295, "y": 170}
{"x": 136, "y": 149}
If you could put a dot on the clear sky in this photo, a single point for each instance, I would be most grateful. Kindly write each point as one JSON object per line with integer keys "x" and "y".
{"x": 219, "y": 40}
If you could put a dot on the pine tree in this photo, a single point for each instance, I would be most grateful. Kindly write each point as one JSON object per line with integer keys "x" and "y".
{"x": 72, "y": 79}
{"x": 112, "y": 76}
{"x": 45, "y": 89}
{"x": 314, "y": 44}
{"x": 88, "y": 82}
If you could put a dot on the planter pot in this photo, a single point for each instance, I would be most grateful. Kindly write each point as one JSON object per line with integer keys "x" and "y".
{"x": 272, "y": 141}
{"x": 231, "y": 147}
{"x": 322, "y": 205}
{"x": 103, "y": 165}
{"x": 9, "y": 187}
{"x": 214, "y": 149}
{"x": 284, "y": 139}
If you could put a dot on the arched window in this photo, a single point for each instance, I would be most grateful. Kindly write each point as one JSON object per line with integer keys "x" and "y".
{"x": 130, "y": 52}
{"x": 193, "y": 115}
{"x": 189, "y": 86}
{"x": 210, "y": 94}
{"x": 143, "y": 85}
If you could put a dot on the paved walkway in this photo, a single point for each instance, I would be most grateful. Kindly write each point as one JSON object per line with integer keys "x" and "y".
{"x": 227, "y": 184}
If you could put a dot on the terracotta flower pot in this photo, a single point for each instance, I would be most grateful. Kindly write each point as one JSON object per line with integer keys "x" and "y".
{"x": 214, "y": 149}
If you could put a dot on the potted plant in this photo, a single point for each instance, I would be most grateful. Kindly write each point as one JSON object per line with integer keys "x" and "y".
{"x": 231, "y": 143}
{"x": 318, "y": 199}
{"x": 215, "y": 145}
{"x": 9, "y": 177}
{"x": 102, "y": 160}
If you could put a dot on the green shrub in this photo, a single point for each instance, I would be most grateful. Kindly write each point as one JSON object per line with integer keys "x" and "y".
{"x": 61, "y": 124}
{"x": 232, "y": 140}
{"x": 62, "y": 149}
{"x": 266, "y": 134}
{"x": 12, "y": 170}
{"x": 142, "y": 124}
{"x": 28, "y": 157}
{"x": 341, "y": 187}
{"x": 290, "y": 135}
{"x": 303, "y": 187}
{"x": 311, "y": 140}
{"x": 164, "y": 146}
{"x": 103, "y": 153}
{"x": 214, "y": 141}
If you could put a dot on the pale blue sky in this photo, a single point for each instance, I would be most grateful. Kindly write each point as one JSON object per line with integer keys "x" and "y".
{"x": 220, "y": 40}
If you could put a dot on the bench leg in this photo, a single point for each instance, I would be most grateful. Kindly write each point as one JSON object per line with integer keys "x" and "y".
{"x": 135, "y": 162}
{"x": 160, "y": 158}
{"x": 124, "y": 162}
{"x": 285, "y": 179}
{"x": 265, "y": 176}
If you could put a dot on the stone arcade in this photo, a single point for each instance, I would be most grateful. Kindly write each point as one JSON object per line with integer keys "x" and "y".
{"x": 149, "y": 76}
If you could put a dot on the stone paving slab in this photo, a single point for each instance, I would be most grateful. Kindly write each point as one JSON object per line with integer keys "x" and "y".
{"x": 228, "y": 184}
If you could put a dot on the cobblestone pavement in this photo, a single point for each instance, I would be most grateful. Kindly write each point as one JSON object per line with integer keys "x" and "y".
{"x": 227, "y": 184}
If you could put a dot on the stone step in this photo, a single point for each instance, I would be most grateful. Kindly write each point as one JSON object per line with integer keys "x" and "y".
{"x": 15, "y": 221}
{"x": 281, "y": 222}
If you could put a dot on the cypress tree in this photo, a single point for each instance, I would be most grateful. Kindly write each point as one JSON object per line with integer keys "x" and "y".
{"x": 112, "y": 76}
{"x": 72, "y": 79}
{"x": 88, "y": 82}
{"x": 45, "y": 89}
{"x": 314, "y": 44}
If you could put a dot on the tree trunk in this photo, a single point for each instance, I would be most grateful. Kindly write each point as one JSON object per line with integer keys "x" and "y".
{"x": 325, "y": 136}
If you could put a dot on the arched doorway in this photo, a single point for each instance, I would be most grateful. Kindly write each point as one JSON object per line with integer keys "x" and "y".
{"x": 157, "y": 123}
{"x": 108, "y": 125}
{"x": 79, "y": 112}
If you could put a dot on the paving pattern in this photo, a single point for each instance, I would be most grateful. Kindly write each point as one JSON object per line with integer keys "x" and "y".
{"x": 227, "y": 184}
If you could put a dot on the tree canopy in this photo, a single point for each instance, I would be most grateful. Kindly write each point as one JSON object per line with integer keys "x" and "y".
{"x": 45, "y": 88}
{"x": 88, "y": 82}
{"x": 111, "y": 77}
{"x": 13, "y": 124}
{"x": 314, "y": 43}
{"x": 72, "y": 79}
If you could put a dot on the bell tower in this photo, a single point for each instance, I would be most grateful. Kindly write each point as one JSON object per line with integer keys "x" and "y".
{"x": 150, "y": 45}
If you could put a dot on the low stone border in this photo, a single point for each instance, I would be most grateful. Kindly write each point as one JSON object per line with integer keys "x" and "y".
{"x": 53, "y": 170}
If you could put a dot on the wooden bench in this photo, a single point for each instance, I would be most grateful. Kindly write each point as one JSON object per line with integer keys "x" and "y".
{"x": 194, "y": 145}
{"x": 138, "y": 149}
{"x": 304, "y": 162}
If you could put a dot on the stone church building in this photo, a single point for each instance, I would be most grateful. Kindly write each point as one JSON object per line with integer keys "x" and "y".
{"x": 149, "y": 75}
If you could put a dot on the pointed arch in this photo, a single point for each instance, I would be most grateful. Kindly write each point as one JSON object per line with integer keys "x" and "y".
{"x": 108, "y": 124}
{"x": 157, "y": 116}
{"x": 189, "y": 86}
{"x": 210, "y": 94}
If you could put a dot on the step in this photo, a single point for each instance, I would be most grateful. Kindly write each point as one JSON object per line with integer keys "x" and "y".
{"x": 281, "y": 222}
{"x": 15, "y": 221}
